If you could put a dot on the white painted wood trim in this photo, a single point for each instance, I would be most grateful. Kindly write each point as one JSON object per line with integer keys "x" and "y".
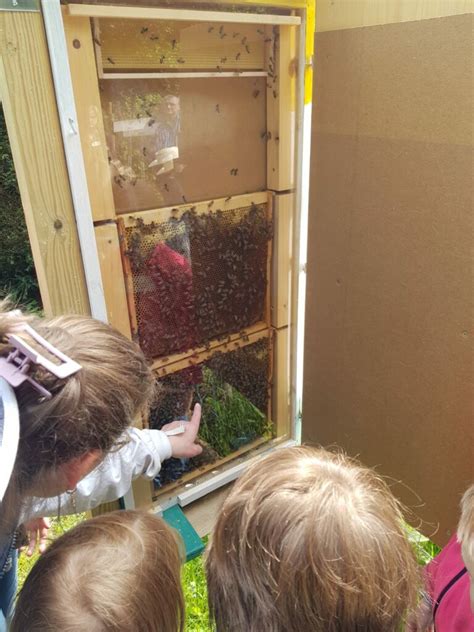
{"x": 223, "y": 478}
{"x": 186, "y": 15}
{"x": 58, "y": 55}
{"x": 300, "y": 241}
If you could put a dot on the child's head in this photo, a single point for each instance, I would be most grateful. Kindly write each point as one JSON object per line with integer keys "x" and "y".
{"x": 118, "y": 572}
{"x": 309, "y": 540}
{"x": 466, "y": 535}
{"x": 63, "y": 437}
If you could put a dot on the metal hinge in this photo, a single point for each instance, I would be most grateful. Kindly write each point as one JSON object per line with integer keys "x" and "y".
{"x": 20, "y": 5}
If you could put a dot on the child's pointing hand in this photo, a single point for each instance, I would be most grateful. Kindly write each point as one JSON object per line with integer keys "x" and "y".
{"x": 183, "y": 444}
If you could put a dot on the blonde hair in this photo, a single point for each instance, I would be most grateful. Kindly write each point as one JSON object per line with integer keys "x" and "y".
{"x": 118, "y": 572}
{"x": 87, "y": 411}
{"x": 466, "y": 526}
{"x": 310, "y": 540}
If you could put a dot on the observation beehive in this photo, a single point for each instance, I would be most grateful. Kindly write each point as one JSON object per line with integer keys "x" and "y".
{"x": 187, "y": 122}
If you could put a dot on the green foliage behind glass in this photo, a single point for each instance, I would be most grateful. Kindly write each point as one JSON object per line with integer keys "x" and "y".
{"x": 17, "y": 272}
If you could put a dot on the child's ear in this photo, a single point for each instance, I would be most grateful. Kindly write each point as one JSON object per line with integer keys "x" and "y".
{"x": 75, "y": 469}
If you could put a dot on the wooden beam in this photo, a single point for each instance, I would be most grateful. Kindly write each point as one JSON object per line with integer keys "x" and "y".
{"x": 281, "y": 108}
{"x": 140, "y": 13}
{"x": 281, "y": 382}
{"x": 32, "y": 121}
{"x": 194, "y": 358}
{"x": 162, "y": 363}
{"x": 184, "y": 75}
{"x": 201, "y": 208}
{"x": 283, "y": 207}
{"x": 108, "y": 248}
{"x": 334, "y": 15}
{"x": 89, "y": 112}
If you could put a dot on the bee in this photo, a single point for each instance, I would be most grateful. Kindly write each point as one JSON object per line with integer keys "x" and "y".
{"x": 237, "y": 57}
{"x": 260, "y": 32}
{"x": 244, "y": 41}
{"x": 255, "y": 93}
{"x": 228, "y": 199}
{"x": 109, "y": 159}
{"x": 173, "y": 43}
{"x": 247, "y": 48}
{"x": 184, "y": 199}
{"x": 134, "y": 183}
{"x": 223, "y": 35}
{"x": 118, "y": 181}
{"x": 267, "y": 39}
{"x": 180, "y": 60}
{"x": 148, "y": 113}
{"x": 154, "y": 38}
{"x": 218, "y": 108}
{"x": 110, "y": 60}
{"x": 144, "y": 30}
{"x": 144, "y": 150}
{"x": 210, "y": 29}
{"x": 162, "y": 59}
{"x": 221, "y": 29}
{"x": 218, "y": 68}
{"x": 235, "y": 34}
{"x": 275, "y": 94}
{"x": 151, "y": 122}
{"x": 234, "y": 172}
{"x": 97, "y": 41}
{"x": 223, "y": 60}
{"x": 210, "y": 204}
{"x": 166, "y": 187}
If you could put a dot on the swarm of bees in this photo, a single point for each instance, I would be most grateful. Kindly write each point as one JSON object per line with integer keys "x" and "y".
{"x": 244, "y": 370}
{"x": 225, "y": 290}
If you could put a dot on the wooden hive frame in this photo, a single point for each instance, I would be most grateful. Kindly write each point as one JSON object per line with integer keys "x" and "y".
{"x": 279, "y": 66}
{"x": 83, "y": 52}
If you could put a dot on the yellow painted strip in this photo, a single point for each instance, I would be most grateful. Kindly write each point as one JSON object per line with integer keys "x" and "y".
{"x": 310, "y": 29}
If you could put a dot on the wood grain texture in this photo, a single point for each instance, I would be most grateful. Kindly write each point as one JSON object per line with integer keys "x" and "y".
{"x": 333, "y": 15}
{"x": 389, "y": 352}
{"x": 281, "y": 108}
{"x": 281, "y": 382}
{"x": 32, "y": 122}
{"x": 89, "y": 113}
{"x": 283, "y": 206}
{"x": 108, "y": 248}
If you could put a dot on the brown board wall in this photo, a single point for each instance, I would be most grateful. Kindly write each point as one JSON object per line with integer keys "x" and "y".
{"x": 389, "y": 352}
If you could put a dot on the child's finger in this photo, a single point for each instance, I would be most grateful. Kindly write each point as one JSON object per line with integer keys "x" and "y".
{"x": 193, "y": 426}
{"x": 32, "y": 543}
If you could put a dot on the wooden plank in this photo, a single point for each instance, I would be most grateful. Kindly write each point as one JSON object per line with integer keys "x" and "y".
{"x": 281, "y": 108}
{"x": 89, "y": 111}
{"x": 333, "y": 15}
{"x": 209, "y": 467}
{"x": 281, "y": 382}
{"x": 145, "y": 13}
{"x": 108, "y": 248}
{"x": 194, "y": 358}
{"x": 184, "y": 75}
{"x": 161, "y": 363}
{"x": 30, "y": 111}
{"x": 203, "y": 513}
{"x": 282, "y": 259}
{"x": 246, "y": 454}
{"x": 173, "y": 46}
{"x": 128, "y": 280}
{"x": 201, "y": 208}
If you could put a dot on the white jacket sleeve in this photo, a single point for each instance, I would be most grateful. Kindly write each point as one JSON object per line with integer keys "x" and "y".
{"x": 141, "y": 455}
